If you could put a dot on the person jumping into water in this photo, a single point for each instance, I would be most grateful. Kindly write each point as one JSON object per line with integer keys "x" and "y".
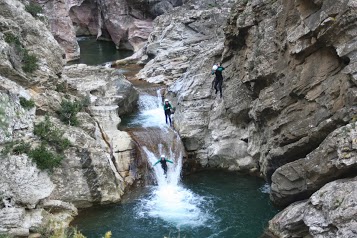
{"x": 163, "y": 161}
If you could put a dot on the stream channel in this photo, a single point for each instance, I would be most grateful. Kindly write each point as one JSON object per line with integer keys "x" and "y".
{"x": 206, "y": 204}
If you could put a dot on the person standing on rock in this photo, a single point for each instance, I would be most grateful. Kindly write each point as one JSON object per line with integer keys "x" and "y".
{"x": 219, "y": 78}
{"x": 167, "y": 109}
{"x": 163, "y": 161}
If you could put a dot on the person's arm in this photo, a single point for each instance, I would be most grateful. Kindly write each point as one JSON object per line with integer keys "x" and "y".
{"x": 170, "y": 106}
{"x": 157, "y": 162}
{"x": 170, "y": 161}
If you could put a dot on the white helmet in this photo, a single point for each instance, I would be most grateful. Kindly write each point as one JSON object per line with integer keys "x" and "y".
{"x": 162, "y": 156}
{"x": 166, "y": 100}
{"x": 214, "y": 67}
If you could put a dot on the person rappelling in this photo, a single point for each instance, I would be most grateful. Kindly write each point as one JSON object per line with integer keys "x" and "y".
{"x": 163, "y": 162}
{"x": 167, "y": 110}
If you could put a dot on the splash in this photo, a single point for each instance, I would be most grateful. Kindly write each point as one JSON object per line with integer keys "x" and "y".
{"x": 151, "y": 112}
{"x": 169, "y": 200}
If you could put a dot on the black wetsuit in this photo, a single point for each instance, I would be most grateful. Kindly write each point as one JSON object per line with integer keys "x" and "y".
{"x": 167, "y": 109}
{"x": 164, "y": 164}
{"x": 218, "y": 80}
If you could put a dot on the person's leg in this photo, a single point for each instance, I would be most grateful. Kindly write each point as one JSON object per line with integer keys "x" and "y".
{"x": 164, "y": 167}
{"x": 166, "y": 115}
{"x": 216, "y": 84}
{"x": 220, "y": 87}
{"x": 169, "y": 115}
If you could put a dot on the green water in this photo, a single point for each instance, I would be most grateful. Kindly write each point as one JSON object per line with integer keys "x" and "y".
{"x": 234, "y": 206}
{"x": 95, "y": 52}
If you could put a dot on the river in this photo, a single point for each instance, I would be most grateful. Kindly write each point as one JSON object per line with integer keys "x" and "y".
{"x": 205, "y": 204}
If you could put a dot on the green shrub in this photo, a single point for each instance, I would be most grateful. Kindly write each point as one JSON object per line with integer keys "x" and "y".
{"x": 21, "y": 148}
{"x": 29, "y": 61}
{"x": 62, "y": 87}
{"x": 27, "y": 104}
{"x": 16, "y": 147}
{"x": 8, "y": 148}
{"x": 12, "y": 39}
{"x": 5, "y": 236}
{"x": 68, "y": 112}
{"x": 85, "y": 101}
{"x": 34, "y": 9}
{"x": 44, "y": 158}
{"x": 51, "y": 135}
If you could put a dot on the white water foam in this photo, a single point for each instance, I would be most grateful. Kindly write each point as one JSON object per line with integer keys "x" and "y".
{"x": 265, "y": 188}
{"x": 151, "y": 111}
{"x": 169, "y": 200}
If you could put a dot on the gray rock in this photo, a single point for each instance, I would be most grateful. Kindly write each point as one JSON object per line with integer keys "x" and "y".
{"x": 34, "y": 37}
{"x": 22, "y": 183}
{"x": 330, "y": 212}
{"x": 61, "y": 25}
{"x": 336, "y": 157}
{"x": 104, "y": 86}
{"x": 278, "y": 104}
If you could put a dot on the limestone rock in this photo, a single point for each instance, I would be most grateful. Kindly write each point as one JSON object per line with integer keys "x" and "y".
{"x": 17, "y": 122}
{"x": 104, "y": 86}
{"x": 280, "y": 96}
{"x": 33, "y": 36}
{"x": 61, "y": 25}
{"x": 22, "y": 183}
{"x": 330, "y": 212}
{"x": 184, "y": 46}
{"x": 336, "y": 157}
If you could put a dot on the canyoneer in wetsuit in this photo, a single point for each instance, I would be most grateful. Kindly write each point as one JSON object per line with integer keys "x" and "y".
{"x": 219, "y": 79}
{"x": 167, "y": 109}
{"x": 163, "y": 161}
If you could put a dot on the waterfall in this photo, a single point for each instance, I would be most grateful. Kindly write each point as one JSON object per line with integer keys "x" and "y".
{"x": 169, "y": 200}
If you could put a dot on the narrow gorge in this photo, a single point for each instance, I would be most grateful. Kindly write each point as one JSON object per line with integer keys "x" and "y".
{"x": 276, "y": 156}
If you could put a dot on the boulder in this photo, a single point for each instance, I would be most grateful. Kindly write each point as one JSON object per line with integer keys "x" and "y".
{"x": 336, "y": 157}
{"x": 329, "y": 212}
{"x": 22, "y": 182}
{"x": 104, "y": 86}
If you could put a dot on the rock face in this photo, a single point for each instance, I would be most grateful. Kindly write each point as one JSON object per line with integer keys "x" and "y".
{"x": 334, "y": 158}
{"x": 100, "y": 163}
{"x": 30, "y": 33}
{"x": 329, "y": 212}
{"x": 61, "y": 25}
{"x": 127, "y": 23}
{"x": 289, "y": 95}
{"x": 278, "y": 105}
{"x": 184, "y": 46}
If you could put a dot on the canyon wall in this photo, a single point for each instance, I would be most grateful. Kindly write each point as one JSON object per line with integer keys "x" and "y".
{"x": 98, "y": 162}
{"x": 289, "y": 97}
{"x": 126, "y": 23}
